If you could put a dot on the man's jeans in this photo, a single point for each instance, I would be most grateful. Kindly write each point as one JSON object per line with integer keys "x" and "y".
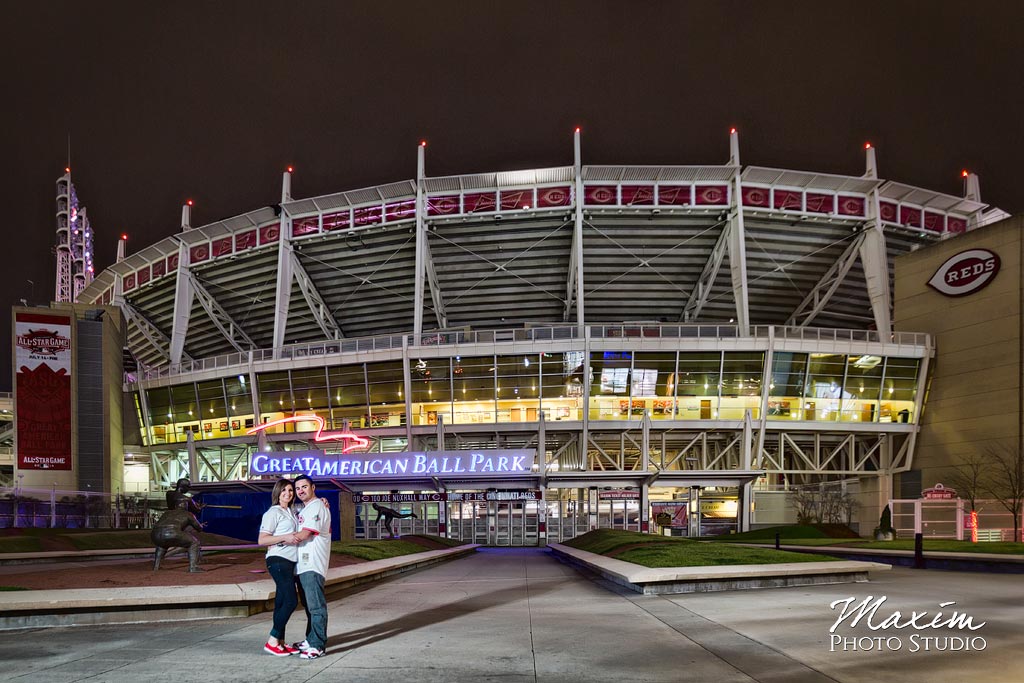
{"x": 286, "y": 601}
{"x": 311, "y": 587}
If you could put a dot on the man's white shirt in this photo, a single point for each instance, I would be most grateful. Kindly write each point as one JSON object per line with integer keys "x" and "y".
{"x": 315, "y": 552}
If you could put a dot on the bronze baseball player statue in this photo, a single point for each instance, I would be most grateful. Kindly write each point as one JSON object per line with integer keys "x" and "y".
{"x": 178, "y": 497}
{"x": 172, "y": 530}
{"x": 388, "y": 514}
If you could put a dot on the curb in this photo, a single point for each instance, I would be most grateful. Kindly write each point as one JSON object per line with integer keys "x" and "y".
{"x": 89, "y": 606}
{"x": 670, "y": 580}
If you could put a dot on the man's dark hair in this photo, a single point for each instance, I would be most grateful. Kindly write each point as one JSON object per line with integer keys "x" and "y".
{"x": 299, "y": 478}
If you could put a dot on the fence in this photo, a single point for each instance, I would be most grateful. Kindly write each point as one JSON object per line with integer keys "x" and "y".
{"x": 951, "y": 519}
{"x": 53, "y": 508}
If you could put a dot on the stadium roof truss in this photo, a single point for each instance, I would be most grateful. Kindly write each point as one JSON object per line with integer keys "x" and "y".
{"x": 595, "y": 244}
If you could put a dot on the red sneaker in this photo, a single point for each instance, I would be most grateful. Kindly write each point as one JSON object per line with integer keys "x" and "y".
{"x": 278, "y": 650}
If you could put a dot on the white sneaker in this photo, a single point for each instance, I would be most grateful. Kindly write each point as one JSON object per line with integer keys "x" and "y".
{"x": 312, "y": 653}
{"x": 301, "y": 647}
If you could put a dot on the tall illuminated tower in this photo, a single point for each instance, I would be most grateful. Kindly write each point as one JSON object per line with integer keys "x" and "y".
{"x": 74, "y": 242}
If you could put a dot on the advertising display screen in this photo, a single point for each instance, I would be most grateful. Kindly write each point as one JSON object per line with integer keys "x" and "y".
{"x": 645, "y": 382}
{"x": 42, "y": 358}
{"x": 614, "y": 380}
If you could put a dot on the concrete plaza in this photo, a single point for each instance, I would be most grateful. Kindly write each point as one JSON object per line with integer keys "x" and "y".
{"x": 521, "y": 615}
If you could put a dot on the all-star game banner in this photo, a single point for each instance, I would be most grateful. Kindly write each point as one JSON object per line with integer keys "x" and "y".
{"x": 43, "y": 384}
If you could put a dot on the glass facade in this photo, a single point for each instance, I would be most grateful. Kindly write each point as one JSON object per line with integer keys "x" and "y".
{"x": 489, "y": 389}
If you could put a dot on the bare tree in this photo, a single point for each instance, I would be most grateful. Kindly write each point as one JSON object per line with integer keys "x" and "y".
{"x": 969, "y": 477}
{"x": 1005, "y": 480}
{"x": 807, "y": 503}
{"x": 823, "y": 506}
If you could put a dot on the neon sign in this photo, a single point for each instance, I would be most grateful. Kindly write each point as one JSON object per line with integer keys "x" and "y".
{"x": 424, "y": 463}
{"x": 355, "y": 440}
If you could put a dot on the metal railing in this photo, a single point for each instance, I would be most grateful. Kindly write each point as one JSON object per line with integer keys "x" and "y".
{"x": 534, "y": 332}
{"x": 52, "y": 508}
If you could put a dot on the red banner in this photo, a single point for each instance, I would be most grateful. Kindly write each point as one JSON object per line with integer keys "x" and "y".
{"x": 554, "y": 196}
{"x": 641, "y": 195}
{"x": 910, "y": 216}
{"x": 307, "y": 226}
{"x": 674, "y": 195}
{"x": 270, "y": 233}
{"x": 245, "y": 240}
{"x": 599, "y": 194}
{"x": 819, "y": 203}
{"x": 442, "y": 205}
{"x": 43, "y": 385}
{"x": 516, "y": 199}
{"x": 222, "y": 246}
{"x": 755, "y": 196}
{"x": 851, "y": 206}
{"x": 788, "y": 200}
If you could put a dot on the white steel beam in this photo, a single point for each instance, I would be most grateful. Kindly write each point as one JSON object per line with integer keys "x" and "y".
{"x": 577, "y": 237}
{"x": 225, "y": 324}
{"x": 738, "y": 263}
{"x": 153, "y": 334}
{"x": 283, "y": 289}
{"x": 702, "y": 288}
{"x": 421, "y": 238}
{"x": 435, "y": 285}
{"x": 321, "y": 312}
{"x": 874, "y": 260}
{"x": 570, "y": 279}
{"x": 819, "y": 296}
{"x": 184, "y": 295}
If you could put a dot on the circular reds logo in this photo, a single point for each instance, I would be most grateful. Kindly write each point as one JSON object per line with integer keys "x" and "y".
{"x": 965, "y": 273}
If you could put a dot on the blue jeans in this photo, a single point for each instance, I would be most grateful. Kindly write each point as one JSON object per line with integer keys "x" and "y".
{"x": 285, "y": 598}
{"x": 311, "y": 585}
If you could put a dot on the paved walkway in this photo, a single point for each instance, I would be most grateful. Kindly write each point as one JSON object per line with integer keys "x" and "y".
{"x": 520, "y": 615}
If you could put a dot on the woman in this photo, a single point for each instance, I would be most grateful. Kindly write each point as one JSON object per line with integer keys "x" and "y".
{"x": 277, "y": 531}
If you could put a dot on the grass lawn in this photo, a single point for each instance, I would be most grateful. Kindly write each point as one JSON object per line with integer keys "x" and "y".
{"x": 19, "y": 544}
{"x": 664, "y": 551}
{"x": 815, "y": 536}
{"x": 42, "y": 540}
{"x": 826, "y": 533}
{"x": 944, "y": 545}
{"x": 385, "y": 548}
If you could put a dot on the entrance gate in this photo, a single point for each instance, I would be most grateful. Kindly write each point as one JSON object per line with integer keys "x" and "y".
{"x": 495, "y": 522}
{"x": 932, "y": 518}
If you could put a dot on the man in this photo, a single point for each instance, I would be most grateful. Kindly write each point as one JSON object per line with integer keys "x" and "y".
{"x": 314, "y": 538}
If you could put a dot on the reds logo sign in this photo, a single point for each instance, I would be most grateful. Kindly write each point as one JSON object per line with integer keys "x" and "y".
{"x": 44, "y": 342}
{"x": 965, "y": 273}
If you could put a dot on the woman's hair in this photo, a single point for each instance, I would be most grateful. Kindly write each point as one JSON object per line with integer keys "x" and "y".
{"x": 275, "y": 495}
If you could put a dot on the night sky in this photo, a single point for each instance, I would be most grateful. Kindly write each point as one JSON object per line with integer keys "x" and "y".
{"x": 170, "y": 101}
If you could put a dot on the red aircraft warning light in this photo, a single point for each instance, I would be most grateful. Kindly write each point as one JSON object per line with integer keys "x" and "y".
{"x": 964, "y": 173}
{"x": 867, "y": 145}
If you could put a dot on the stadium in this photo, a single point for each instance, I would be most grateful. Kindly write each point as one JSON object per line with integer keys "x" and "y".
{"x": 522, "y": 356}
